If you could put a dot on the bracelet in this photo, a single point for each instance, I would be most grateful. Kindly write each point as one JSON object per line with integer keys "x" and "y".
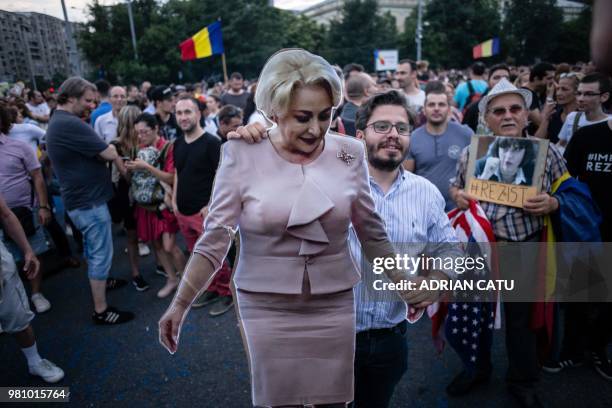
{"x": 44, "y": 207}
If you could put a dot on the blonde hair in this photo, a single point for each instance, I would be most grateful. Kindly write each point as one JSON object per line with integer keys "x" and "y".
{"x": 288, "y": 70}
{"x": 126, "y": 132}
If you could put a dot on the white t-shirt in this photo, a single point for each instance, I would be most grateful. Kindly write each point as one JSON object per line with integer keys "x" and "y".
{"x": 40, "y": 110}
{"x": 416, "y": 101}
{"x": 28, "y": 133}
{"x": 566, "y": 130}
{"x": 106, "y": 126}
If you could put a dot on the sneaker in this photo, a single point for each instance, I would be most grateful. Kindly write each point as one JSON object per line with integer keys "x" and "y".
{"x": 112, "y": 283}
{"x": 47, "y": 370}
{"x": 41, "y": 304}
{"x": 205, "y": 298}
{"x": 602, "y": 364}
{"x": 143, "y": 249}
{"x": 112, "y": 316}
{"x": 168, "y": 289}
{"x": 224, "y": 304}
{"x": 554, "y": 367}
{"x": 161, "y": 271}
{"x": 140, "y": 284}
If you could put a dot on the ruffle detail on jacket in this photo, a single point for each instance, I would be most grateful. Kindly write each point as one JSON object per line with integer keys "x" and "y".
{"x": 310, "y": 204}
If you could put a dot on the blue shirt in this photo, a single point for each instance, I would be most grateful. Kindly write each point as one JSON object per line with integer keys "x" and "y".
{"x": 462, "y": 93}
{"x": 104, "y": 107}
{"x": 413, "y": 211}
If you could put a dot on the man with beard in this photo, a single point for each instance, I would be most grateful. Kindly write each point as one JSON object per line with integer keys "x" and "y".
{"x": 413, "y": 211}
{"x": 436, "y": 146}
{"x": 196, "y": 158}
{"x": 79, "y": 159}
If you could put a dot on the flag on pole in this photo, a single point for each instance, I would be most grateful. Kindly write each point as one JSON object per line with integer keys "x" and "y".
{"x": 206, "y": 42}
{"x": 486, "y": 49}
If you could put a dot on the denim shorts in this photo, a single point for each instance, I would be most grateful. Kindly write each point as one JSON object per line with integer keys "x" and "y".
{"x": 95, "y": 225}
{"x": 38, "y": 241}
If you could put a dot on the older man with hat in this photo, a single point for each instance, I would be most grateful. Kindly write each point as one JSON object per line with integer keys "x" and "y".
{"x": 505, "y": 109}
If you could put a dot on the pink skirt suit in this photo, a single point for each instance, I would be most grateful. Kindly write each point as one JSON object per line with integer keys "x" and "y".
{"x": 294, "y": 278}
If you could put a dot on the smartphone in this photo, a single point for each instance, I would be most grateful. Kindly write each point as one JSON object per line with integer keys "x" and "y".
{"x": 125, "y": 158}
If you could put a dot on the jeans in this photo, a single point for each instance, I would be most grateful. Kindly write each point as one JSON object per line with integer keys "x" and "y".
{"x": 381, "y": 359}
{"x": 95, "y": 225}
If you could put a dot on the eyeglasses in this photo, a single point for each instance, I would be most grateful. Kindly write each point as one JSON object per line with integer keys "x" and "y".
{"x": 587, "y": 94}
{"x": 501, "y": 111}
{"x": 384, "y": 127}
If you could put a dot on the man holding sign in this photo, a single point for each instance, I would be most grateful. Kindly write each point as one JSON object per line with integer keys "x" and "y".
{"x": 505, "y": 109}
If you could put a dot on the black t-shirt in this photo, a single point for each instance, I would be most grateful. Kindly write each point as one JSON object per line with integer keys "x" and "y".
{"x": 240, "y": 100}
{"x": 554, "y": 125}
{"x": 170, "y": 129}
{"x": 73, "y": 147}
{"x": 589, "y": 158}
{"x": 536, "y": 103}
{"x": 196, "y": 165}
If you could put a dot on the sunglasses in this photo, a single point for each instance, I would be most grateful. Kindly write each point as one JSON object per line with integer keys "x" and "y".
{"x": 384, "y": 127}
{"x": 501, "y": 111}
{"x": 568, "y": 75}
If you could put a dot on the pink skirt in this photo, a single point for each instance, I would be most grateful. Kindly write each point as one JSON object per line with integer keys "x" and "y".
{"x": 300, "y": 347}
{"x": 150, "y": 226}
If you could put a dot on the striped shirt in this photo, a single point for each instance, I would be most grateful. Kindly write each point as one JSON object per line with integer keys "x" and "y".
{"x": 512, "y": 223}
{"x": 413, "y": 211}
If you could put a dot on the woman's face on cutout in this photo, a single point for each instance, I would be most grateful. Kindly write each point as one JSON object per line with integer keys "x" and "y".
{"x": 510, "y": 159}
{"x": 307, "y": 120}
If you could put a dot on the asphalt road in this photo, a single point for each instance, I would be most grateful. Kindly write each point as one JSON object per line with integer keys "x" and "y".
{"x": 124, "y": 366}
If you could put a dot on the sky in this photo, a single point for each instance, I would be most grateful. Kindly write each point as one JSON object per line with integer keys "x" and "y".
{"x": 77, "y": 8}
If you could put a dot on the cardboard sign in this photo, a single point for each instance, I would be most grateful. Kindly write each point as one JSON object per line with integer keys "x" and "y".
{"x": 505, "y": 170}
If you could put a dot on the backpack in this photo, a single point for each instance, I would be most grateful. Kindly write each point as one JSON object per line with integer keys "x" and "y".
{"x": 576, "y": 121}
{"x": 473, "y": 97}
{"x": 146, "y": 190}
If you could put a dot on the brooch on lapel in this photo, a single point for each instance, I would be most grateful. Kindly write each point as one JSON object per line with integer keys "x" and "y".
{"x": 345, "y": 156}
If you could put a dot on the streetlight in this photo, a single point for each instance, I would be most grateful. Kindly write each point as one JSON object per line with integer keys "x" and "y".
{"x": 419, "y": 29}
{"x": 72, "y": 50}
{"x": 132, "y": 30}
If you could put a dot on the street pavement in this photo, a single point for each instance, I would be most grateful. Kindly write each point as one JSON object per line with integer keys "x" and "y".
{"x": 125, "y": 366}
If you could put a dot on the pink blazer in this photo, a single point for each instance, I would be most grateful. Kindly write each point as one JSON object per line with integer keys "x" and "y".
{"x": 293, "y": 218}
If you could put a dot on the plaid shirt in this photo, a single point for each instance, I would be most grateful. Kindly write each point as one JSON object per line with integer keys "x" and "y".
{"x": 511, "y": 223}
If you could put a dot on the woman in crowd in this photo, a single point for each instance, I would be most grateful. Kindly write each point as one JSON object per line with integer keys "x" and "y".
{"x": 121, "y": 206}
{"x": 154, "y": 221}
{"x": 555, "y": 112}
{"x": 294, "y": 276}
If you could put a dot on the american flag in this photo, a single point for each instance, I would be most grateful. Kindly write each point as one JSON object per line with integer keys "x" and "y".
{"x": 470, "y": 319}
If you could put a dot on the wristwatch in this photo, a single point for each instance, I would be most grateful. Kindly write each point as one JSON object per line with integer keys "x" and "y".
{"x": 46, "y": 207}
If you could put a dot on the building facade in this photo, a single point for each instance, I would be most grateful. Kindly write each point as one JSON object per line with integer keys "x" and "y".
{"x": 34, "y": 45}
{"x": 328, "y": 10}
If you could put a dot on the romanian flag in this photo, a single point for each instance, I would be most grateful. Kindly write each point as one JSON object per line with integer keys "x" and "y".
{"x": 486, "y": 49}
{"x": 207, "y": 42}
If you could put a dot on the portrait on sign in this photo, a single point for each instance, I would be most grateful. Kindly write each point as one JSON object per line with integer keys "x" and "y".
{"x": 506, "y": 170}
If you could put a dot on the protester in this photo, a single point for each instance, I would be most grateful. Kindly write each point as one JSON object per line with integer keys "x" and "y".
{"x": 121, "y": 206}
{"x": 381, "y": 358}
{"x": 436, "y": 146}
{"x": 472, "y": 116}
{"x": 78, "y": 156}
{"x": 25, "y": 132}
{"x": 541, "y": 85}
{"x": 15, "y": 313}
{"x": 505, "y": 109}
{"x": 23, "y": 187}
{"x": 154, "y": 166}
{"x": 229, "y": 118}
{"x": 164, "y": 102}
{"x": 471, "y": 90}
{"x": 406, "y": 74}
{"x": 294, "y": 276}
{"x": 38, "y": 107}
{"x": 358, "y": 88}
{"x": 593, "y": 92}
{"x": 106, "y": 124}
{"x": 235, "y": 95}
{"x": 104, "y": 106}
{"x": 556, "y": 110}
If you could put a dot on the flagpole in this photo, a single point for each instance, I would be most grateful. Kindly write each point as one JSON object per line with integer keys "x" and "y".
{"x": 224, "y": 68}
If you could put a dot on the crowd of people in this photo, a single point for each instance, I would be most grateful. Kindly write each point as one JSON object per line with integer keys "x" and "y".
{"x": 75, "y": 161}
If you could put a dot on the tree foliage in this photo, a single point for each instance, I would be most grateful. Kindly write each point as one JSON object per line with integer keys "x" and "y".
{"x": 252, "y": 30}
{"x": 360, "y": 30}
